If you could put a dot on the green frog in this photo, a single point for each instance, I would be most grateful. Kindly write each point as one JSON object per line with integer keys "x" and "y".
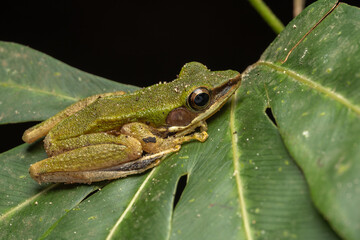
{"x": 113, "y": 135}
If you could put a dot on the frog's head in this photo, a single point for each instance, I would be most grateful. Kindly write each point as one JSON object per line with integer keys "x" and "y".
{"x": 203, "y": 92}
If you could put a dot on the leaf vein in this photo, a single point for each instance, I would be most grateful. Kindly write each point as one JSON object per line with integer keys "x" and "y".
{"x": 27, "y": 88}
{"x": 26, "y": 202}
{"x": 131, "y": 203}
{"x": 316, "y": 86}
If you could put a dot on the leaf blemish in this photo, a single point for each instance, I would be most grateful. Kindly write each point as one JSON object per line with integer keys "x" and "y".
{"x": 305, "y": 134}
{"x": 270, "y": 115}
{"x": 181, "y": 184}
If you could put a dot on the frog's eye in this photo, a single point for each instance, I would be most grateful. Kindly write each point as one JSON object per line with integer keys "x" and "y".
{"x": 199, "y": 98}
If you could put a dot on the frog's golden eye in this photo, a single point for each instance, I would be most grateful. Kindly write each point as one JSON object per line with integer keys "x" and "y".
{"x": 199, "y": 99}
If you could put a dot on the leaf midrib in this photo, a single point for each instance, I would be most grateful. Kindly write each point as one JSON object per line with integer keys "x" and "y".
{"x": 35, "y": 90}
{"x": 129, "y": 206}
{"x": 236, "y": 157}
{"x": 314, "y": 85}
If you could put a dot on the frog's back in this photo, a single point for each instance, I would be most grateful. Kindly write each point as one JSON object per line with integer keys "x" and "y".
{"x": 147, "y": 105}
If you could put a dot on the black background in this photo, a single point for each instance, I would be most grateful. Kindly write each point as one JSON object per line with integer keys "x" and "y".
{"x": 142, "y": 42}
{"x": 139, "y": 42}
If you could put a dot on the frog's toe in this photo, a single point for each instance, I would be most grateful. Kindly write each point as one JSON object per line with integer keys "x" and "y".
{"x": 34, "y": 173}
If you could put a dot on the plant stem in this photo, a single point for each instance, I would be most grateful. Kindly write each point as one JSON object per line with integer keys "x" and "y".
{"x": 269, "y": 17}
{"x": 298, "y": 7}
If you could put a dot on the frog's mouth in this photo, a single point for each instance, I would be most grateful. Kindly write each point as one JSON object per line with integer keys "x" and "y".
{"x": 219, "y": 96}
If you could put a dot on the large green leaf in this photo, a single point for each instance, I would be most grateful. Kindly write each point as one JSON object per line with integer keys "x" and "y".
{"x": 34, "y": 86}
{"x": 243, "y": 182}
{"x": 315, "y": 100}
{"x": 29, "y": 210}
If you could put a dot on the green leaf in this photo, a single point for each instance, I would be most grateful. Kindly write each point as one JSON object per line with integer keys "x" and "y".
{"x": 314, "y": 97}
{"x": 29, "y": 210}
{"x": 34, "y": 86}
{"x": 244, "y": 181}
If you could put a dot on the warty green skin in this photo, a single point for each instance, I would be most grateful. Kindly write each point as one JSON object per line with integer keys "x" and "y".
{"x": 149, "y": 105}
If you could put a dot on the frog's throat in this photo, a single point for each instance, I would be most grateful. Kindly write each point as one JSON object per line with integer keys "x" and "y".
{"x": 220, "y": 95}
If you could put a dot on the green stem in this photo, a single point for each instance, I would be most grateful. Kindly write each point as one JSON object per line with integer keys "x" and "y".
{"x": 269, "y": 17}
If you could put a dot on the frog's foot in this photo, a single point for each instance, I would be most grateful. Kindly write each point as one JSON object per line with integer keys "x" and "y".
{"x": 199, "y": 136}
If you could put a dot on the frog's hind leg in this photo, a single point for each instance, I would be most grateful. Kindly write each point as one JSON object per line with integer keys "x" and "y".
{"x": 85, "y": 154}
{"x": 114, "y": 172}
{"x": 145, "y": 162}
{"x": 41, "y": 129}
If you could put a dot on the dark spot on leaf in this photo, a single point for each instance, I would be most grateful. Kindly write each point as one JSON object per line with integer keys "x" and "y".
{"x": 181, "y": 184}
{"x": 319, "y": 162}
{"x": 270, "y": 115}
{"x": 87, "y": 196}
{"x": 149, "y": 140}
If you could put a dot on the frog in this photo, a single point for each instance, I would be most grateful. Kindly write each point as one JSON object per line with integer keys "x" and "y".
{"x": 112, "y": 135}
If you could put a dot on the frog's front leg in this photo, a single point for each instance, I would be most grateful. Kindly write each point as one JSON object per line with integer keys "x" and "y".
{"x": 152, "y": 142}
{"x": 203, "y": 128}
{"x": 80, "y": 159}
